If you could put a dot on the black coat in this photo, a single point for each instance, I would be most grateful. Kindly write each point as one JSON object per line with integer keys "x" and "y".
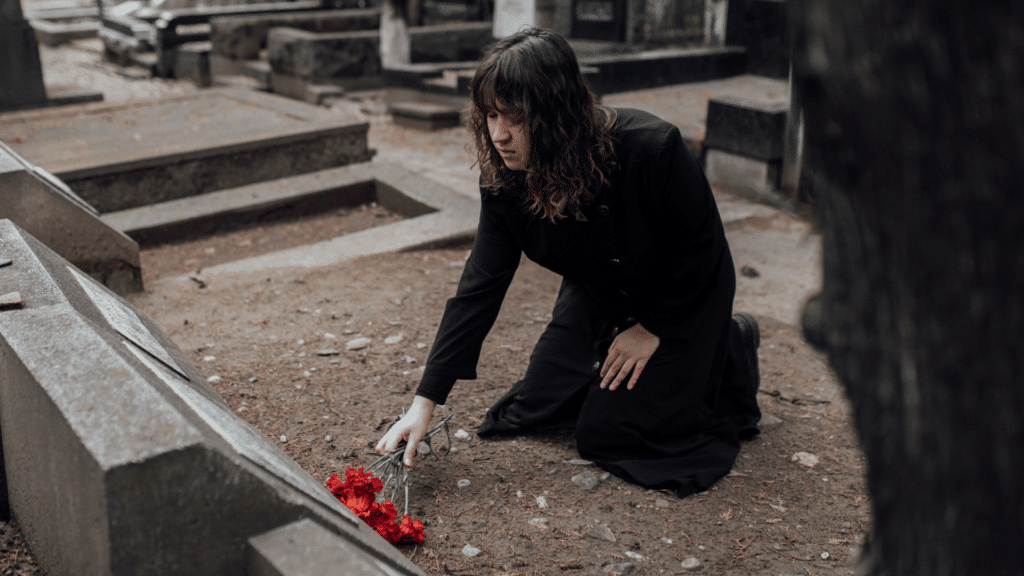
{"x": 652, "y": 246}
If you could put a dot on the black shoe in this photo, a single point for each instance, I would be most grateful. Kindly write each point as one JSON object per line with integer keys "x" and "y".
{"x": 742, "y": 375}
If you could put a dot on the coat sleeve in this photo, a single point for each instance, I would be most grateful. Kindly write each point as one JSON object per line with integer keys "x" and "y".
{"x": 470, "y": 314}
{"x": 689, "y": 271}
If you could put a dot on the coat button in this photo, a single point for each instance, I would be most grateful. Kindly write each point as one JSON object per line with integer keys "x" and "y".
{"x": 615, "y": 262}
{"x": 603, "y": 210}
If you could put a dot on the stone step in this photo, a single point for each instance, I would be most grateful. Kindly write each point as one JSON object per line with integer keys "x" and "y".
{"x": 424, "y": 115}
{"x": 123, "y": 155}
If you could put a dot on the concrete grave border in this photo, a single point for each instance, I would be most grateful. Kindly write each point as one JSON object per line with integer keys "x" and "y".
{"x": 308, "y": 138}
{"x": 435, "y": 215}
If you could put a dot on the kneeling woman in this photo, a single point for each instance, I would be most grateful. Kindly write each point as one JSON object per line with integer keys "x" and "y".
{"x": 643, "y": 355}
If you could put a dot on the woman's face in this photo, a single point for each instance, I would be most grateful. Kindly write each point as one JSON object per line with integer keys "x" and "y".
{"x": 510, "y": 137}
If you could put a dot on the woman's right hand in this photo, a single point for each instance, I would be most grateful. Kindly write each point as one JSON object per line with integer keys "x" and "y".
{"x": 412, "y": 428}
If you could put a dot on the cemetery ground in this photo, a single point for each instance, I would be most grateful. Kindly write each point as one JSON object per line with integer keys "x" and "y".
{"x": 274, "y": 345}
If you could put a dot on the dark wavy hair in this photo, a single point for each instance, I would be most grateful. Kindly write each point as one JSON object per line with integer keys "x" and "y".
{"x": 534, "y": 75}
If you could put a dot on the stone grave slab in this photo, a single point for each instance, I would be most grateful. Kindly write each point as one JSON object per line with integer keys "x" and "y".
{"x": 305, "y": 549}
{"x": 56, "y": 216}
{"x": 746, "y": 127}
{"x": 119, "y": 457}
{"x": 123, "y": 155}
{"x": 352, "y": 59}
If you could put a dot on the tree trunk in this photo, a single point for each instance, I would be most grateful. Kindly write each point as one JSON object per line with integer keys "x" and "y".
{"x": 914, "y": 117}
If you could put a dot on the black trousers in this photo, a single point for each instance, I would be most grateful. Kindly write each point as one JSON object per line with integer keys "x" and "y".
{"x": 679, "y": 428}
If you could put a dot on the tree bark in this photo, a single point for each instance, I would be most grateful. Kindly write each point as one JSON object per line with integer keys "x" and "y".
{"x": 914, "y": 117}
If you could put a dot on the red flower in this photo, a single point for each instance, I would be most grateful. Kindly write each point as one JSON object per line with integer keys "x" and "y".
{"x": 359, "y": 493}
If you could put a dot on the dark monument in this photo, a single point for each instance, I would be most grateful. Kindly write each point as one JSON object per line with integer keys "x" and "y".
{"x": 21, "y": 71}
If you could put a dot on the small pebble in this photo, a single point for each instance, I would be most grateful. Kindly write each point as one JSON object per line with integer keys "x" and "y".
{"x": 666, "y": 540}
{"x": 586, "y": 480}
{"x": 213, "y": 379}
{"x": 542, "y": 502}
{"x": 661, "y": 503}
{"x": 329, "y": 335}
{"x": 461, "y": 434}
{"x": 622, "y": 568}
{"x": 580, "y": 462}
{"x": 393, "y": 339}
{"x": 420, "y": 345}
{"x": 209, "y": 358}
{"x": 301, "y": 342}
{"x": 824, "y": 555}
{"x": 470, "y": 551}
{"x": 284, "y": 438}
{"x": 769, "y": 420}
{"x": 634, "y": 555}
{"x": 691, "y": 564}
{"x": 423, "y": 449}
{"x": 601, "y": 531}
{"x": 463, "y": 483}
{"x": 357, "y": 343}
{"x": 805, "y": 458}
{"x": 328, "y": 352}
{"x": 253, "y": 379}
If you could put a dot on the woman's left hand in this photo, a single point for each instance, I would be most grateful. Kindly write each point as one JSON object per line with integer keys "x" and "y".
{"x": 628, "y": 353}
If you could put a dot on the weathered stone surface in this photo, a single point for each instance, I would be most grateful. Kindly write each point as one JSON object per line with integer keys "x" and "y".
{"x": 319, "y": 57}
{"x": 424, "y": 115}
{"x": 122, "y": 155}
{"x": 746, "y": 127}
{"x": 305, "y": 548}
{"x": 11, "y": 300}
{"x": 53, "y": 214}
{"x": 313, "y": 56}
{"x": 743, "y": 174}
{"x": 655, "y": 68}
{"x": 120, "y": 459}
{"x": 242, "y": 37}
{"x": 454, "y": 42}
{"x": 192, "y": 62}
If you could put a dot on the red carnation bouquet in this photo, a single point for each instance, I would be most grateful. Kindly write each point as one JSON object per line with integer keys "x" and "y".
{"x": 359, "y": 492}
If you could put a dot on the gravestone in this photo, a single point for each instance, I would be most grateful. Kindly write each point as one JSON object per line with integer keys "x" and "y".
{"x": 119, "y": 457}
{"x": 20, "y": 67}
{"x": 21, "y": 70}
{"x": 46, "y": 208}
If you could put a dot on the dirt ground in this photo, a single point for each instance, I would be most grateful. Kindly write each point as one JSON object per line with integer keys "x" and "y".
{"x": 770, "y": 516}
{"x": 278, "y": 346}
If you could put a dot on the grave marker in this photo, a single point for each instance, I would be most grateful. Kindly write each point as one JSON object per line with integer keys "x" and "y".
{"x": 120, "y": 458}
